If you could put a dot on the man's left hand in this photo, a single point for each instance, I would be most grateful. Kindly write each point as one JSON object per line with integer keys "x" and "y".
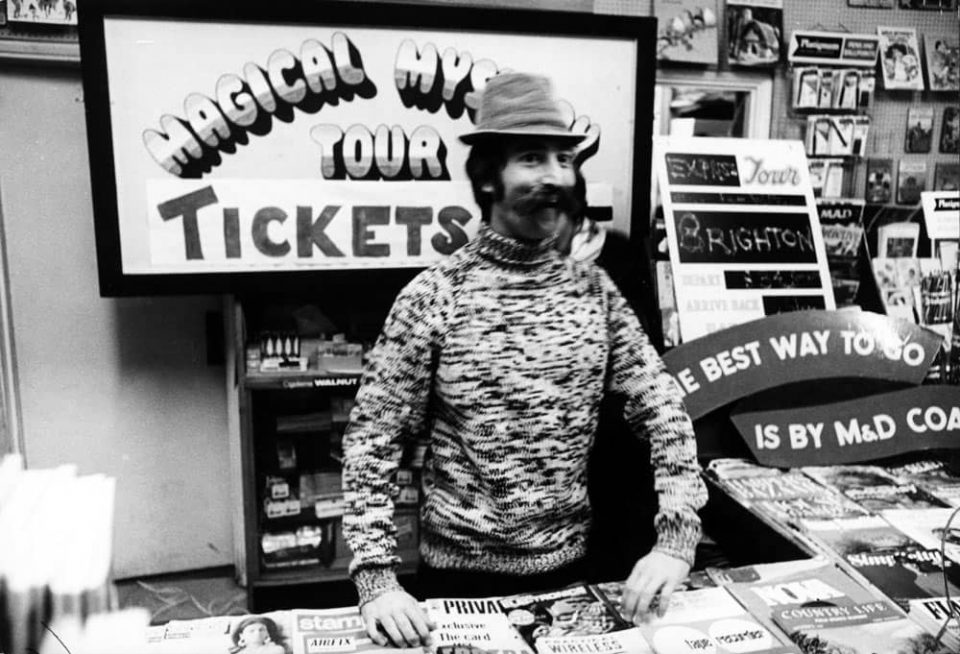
{"x": 656, "y": 573}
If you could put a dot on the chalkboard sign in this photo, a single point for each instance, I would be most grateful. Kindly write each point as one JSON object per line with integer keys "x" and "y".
{"x": 744, "y": 237}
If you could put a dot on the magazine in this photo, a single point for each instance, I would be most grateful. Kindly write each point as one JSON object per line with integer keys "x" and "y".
{"x": 823, "y": 585}
{"x": 323, "y": 631}
{"x": 919, "y": 134}
{"x": 856, "y": 535}
{"x": 462, "y": 624}
{"x": 687, "y": 30}
{"x": 710, "y": 620}
{"x": 907, "y": 573}
{"x": 612, "y": 591}
{"x": 825, "y": 506}
{"x": 950, "y": 131}
{"x": 932, "y": 613}
{"x": 928, "y": 527}
{"x": 571, "y": 620}
{"x": 900, "y": 58}
{"x": 754, "y": 32}
{"x": 911, "y": 181}
{"x": 786, "y": 485}
{"x": 943, "y": 63}
{"x": 946, "y": 176}
{"x": 933, "y": 477}
{"x": 879, "y": 181}
{"x": 267, "y": 633}
{"x": 872, "y": 487}
{"x": 870, "y": 628}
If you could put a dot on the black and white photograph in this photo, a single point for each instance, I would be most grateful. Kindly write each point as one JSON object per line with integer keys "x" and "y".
{"x": 476, "y": 326}
{"x": 754, "y": 32}
{"x": 919, "y": 133}
{"x": 950, "y": 131}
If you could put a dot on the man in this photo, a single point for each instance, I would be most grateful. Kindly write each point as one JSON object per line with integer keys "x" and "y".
{"x": 501, "y": 355}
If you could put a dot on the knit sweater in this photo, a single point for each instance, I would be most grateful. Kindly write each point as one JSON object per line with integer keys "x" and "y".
{"x": 499, "y": 355}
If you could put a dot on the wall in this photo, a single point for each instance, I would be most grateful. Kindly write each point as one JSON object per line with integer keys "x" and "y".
{"x": 889, "y": 113}
{"x": 116, "y": 386}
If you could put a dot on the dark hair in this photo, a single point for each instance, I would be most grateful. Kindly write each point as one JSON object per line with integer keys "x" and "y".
{"x": 484, "y": 163}
{"x": 271, "y": 626}
{"x": 895, "y": 47}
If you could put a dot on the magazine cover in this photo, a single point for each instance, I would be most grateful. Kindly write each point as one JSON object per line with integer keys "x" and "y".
{"x": 766, "y": 572}
{"x": 710, "y": 620}
{"x": 823, "y": 585}
{"x": 826, "y": 506}
{"x": 871, "y": 628}
{"x": 896, "y": 297}
{"x": 570, "y": 620}
{"x": 320, "y": 631}
{"x": 900, "y": 58}
{"x": 907, "y": 573}
{"x": 946, "y": 176}
{"x": 879, "y": 181}
{"x": 872, "y": 487}
{"x": 463, "y": 624}
{"x": 268, "y": 633}
{"x": 857, "y": 535}
{"x": 911, "y": 181}
{"x": 933, "y": 613}
{"x": 754, "y": 32}
{"x": 934, "y": 477}
{"x": 919, "y": 130}
{"x": 943, "y": 63}
{"x": 950, "y": 131}
{"x": 871, "y": 4}
{"x": 687, "y": 30}
{"x": 785, "y": 485}
{"x": 928, "y": 527}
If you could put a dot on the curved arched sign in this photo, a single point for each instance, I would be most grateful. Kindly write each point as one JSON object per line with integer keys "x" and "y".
{"x": 728, "y": 365}
{"x": 915, "y": 419}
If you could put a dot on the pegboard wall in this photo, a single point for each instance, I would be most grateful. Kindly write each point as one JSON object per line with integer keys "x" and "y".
{"x": 889, "y": 112}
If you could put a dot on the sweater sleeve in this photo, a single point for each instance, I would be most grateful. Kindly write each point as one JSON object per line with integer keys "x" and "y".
{"x": 654, "y": 409}
{"x": 389, "y": 410}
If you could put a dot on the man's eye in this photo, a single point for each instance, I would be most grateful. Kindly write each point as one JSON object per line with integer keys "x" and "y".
{"x": 565, "y": 159}
{"x": 531, "y": 157}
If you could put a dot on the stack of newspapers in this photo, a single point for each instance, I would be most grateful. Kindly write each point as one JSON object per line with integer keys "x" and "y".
{"x": 56, "y": 533}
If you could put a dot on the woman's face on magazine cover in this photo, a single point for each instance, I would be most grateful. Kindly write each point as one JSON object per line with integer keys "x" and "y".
{"x": 254, "y": 634}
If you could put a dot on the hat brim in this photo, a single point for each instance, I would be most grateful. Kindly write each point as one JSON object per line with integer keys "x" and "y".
{"x": 487, "y": 134}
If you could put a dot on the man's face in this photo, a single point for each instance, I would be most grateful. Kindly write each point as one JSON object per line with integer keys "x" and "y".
{"x": 536, "y": 186}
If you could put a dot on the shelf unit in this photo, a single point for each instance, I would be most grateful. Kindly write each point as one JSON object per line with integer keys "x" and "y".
{"x": 258, "y": 399}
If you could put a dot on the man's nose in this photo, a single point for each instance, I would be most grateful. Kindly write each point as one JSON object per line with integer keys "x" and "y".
{"x": 552, "y": 170}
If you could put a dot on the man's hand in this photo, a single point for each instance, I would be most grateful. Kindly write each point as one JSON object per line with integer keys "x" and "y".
{"x": 397, "y": 614}
{"x": 655, "y": 573}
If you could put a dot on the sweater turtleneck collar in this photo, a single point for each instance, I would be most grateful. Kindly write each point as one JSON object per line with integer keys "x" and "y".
{"x": 508, "y": 250}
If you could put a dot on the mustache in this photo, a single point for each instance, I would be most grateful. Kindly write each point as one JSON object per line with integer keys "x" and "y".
{"x": 561, "y": 197}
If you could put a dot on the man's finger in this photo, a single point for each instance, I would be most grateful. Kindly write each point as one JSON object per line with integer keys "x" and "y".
{"x": 407, "y": 630}
{"x": 373, "y": 631}
{"x": 645, "y": 595}
{"x": 419, "y": 623}
{"x": 666, "y": 592}
{"x": 390, "y": 626}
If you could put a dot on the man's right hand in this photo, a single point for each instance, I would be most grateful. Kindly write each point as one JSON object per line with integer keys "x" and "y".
{"x": 398, "y": 615}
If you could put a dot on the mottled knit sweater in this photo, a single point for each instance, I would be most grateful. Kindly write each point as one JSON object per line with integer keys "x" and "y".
{"x": 500, "y": 355}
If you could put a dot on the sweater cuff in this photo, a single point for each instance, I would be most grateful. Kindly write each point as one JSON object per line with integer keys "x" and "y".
{"x": 680, "y": 541}
{"x": 373, "y": 582}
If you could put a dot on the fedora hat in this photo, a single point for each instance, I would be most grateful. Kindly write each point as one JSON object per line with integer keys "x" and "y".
{"x": 519, "y": 104}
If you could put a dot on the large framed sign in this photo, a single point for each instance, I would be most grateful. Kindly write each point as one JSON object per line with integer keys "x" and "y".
{"x": 743, "y": 231}
{"x": 237, "y": 142}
